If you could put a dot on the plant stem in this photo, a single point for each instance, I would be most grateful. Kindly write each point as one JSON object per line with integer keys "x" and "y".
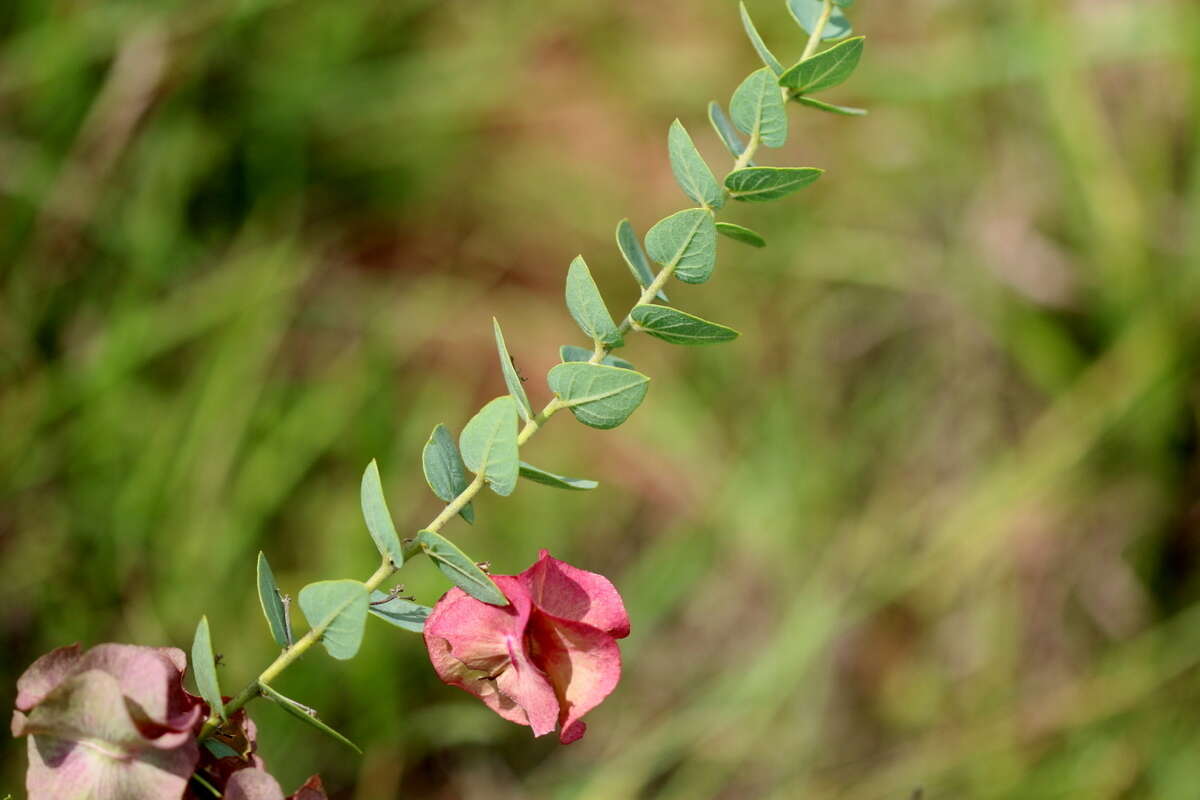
{"x": 387, "y": 569}
{"x": 814, "y": 38}
{"x": 287, "y": 658}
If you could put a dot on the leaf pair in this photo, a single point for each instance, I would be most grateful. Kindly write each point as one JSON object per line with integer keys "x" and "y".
{"x": 821, "y": 71}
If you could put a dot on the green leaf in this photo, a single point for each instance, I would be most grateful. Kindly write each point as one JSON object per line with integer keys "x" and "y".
{"x": 511, "y": 379}
{"x": 272, "y": 603}
{"x": 808, "y": 12}
{"x": 537, "y": 475}
{"x": 340, "y": 607}
{"x": 825, "y": 69}
{"x": 461, "y": 570}
{"x": 686, "y": 242}
{"x": 769, "y": 183}
{"x": 587, "y": 306}
{"x": 305, "y": 714}
{"x": 691, "y": 171}
{"x": 760, "y": 46}
{"x": 631, "y": 251}
{"x": 444, "y": 470}
{"x": 757, "y": 107}
{"x": 849, "y": 111}
{"x": 843, "y": 3}
{"x": 489, "y": 445}
{"x": 599, "y": 396}
{"x": 679, "y": 327}
{"x": 740, "y": 234}
{"x": 724, "y": 128}
{"x": 204, "y": 667}
{"x": 379, "y": 519}
{"x": 570, "y": 352}
{"x": 400, "y": 612}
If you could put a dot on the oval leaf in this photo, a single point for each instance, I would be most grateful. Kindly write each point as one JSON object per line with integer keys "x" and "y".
{"x": 691, "y": 171}
{"x": 489, "y": 445}
{"x": 461, "y": 570}
{"x": 599, "y": 396}
{"x": 679, "y": 327}
{"x": 305, "y": 714}
{"x": 444, "y": 470}
{"x": 849, "y": 111}
{"x": 685, "y": 242}
{"x": 271, "y": 600}
{"x": 399, "y": 612}
{"x": 587, "y": 306}
{"x": 757, "y": 108}
{"x": 536, "y": 475}
{"x": 740, "y": 234}
{"x": 204, "y": 667}
{"x": 808, "y": 12}
{"x": 769, "y": 183}
{"x": 570, "y": 352}
{"x": 379, "y": 519}
{"x": 760, "y": 46}
{"x": 339, "y": 609}
{"x": 724, "y": 128}
{"x": 826, "y": 69}
{"x": 631, "y": 251}
{"x": 511, "y": 379}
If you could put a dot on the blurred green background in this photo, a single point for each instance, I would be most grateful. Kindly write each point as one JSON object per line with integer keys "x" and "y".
{"x": 932, "y": 522}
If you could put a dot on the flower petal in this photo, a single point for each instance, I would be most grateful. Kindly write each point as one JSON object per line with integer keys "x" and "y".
{"x": 84, "y": 743}
{"x": 253, "y": 784}
{"x": 481, "y": 648}
{"x": 312, "y": 789}
{"x": 582, "y": 662}
{"x": 568, "y": 592}
{"x": 44, "y": 674}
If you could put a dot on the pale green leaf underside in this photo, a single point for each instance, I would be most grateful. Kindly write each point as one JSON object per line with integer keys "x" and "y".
{"x": 740, "y": 234}
{"x": 379, "y": 519}
{"x": 587, "y": 306}
{"x": 760, "y": 46}
{"x": 570, "y": 352}
{"x": 599, "y": 396}
{"x": 444, "y": 470}
{"x": 204, "y": 668}
{"x": 271, "y": 602}
{"x": 635, "y": 257}
{"x": 807, "y": 12}
{"x": 849, "y": 111}
{"x": 690, "y": 170}
{"x": 461, "y": 570}
{"x": 826, "y": 69}
{"x": 530, "y": 472}
{"x": 685, "y": 242}
{"x": 302, "y": 713}
{"x": 679, "y": 327}
{"x": 511, "y": 379}
{"x": 400, "y": 612}
{"x": 757, "y": 107}
{"x": 724, "y": 128}
{"x": 341, "y": 608}
{"x": 769, "y": 183}
{"x": 489, "y": 445}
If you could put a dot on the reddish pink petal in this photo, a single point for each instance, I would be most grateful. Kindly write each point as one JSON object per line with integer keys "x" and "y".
{"x": 312, "y": 789}
{"x": 481, "y": 648}
{"x": 568, "y": 592}
{"x": 582, "y": 662}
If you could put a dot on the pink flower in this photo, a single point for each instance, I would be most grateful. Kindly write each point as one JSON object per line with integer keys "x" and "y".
{"x": 546, "y": 659}
{"x": 113, "y": 723}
